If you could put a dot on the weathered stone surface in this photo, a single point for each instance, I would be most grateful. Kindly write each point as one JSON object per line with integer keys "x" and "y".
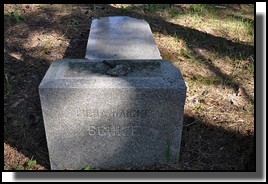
{"x": 121, "y": 37}
{"x": 103, "y": 121}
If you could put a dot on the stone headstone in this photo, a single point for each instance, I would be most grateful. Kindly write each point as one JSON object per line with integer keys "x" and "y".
{"x": 94, "y": 118}
{"x": 121, "y": 37}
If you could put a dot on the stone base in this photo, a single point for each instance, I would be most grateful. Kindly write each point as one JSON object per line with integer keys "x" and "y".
{"x": 106, "y": 122}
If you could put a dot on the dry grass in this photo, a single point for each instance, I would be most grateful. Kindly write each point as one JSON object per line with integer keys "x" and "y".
{"x": 213, "y": 48}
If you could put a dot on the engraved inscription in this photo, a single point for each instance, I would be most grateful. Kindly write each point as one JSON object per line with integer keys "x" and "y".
{"x": 107, "y": 113}
{"x": 113, "y": 130}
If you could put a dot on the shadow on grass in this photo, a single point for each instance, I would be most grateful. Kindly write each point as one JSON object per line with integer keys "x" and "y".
{"x": 197, "y": 39}
{"x": 25, "y": 130}
{"x": 226, "y": 146}
{"x": 203, "y": 147}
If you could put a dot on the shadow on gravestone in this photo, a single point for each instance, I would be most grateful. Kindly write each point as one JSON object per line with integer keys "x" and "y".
{"x": 128, "y": 37}
{"x": 121, "y": 37}
{"x": 115, "y": 37}
{"x": 29, "y": 153}
{"x": 128, "y": 121}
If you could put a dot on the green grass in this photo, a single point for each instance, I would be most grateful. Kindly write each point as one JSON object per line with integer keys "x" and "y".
{"x": 47, "y": 42}
{"x": 251, "y": 100}
{"x": 177, "y": 37}
{"x": 201, "y": 100}
{"x": 251, "y": 69}
{"x": 241, "y": 26}
{"x": 227, "y": 82}
{"x": 247, "y": 24}
{"x": 214, "y": 80}
{"x": 30, "y": 164}
{"x": 209, "y": 80}
{"x": 151, "y": 7}
{"x": 224, "y": 21}
{"x": 205, "y": 10}
{"x": 87, "y": 168}
{"x": 74, "y": 21}
{"x": 168, "y": 151}
{"x": 183, "y": 52}
{"x": 199, "y": 108}
{"x": 15, "y": 14}
{"x": 241, "y": 20}
{"x": 197, "y": 7}
{"x": 174, "y": 12}
{"x": 8, "y": 85}
{"x": 19, "y": 168}
{"x": 125, "y": 10}
{"x": 197, "y": 62}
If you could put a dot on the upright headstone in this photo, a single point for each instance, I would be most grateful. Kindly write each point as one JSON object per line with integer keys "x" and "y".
{"x": 93, "y": 117}
{"x": 121, "y": 37}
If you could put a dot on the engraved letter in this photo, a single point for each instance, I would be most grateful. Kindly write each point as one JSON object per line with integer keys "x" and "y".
{"x": 115, "y": 113}
{"x": 134, "y": 129}
{"x": 122, "y": 114}
{"x": 114, "y": 130}
{"x": 133, "y": 113}
{"x": 127, "y": 113}
{"x": 102, "y": 133}
{"x": 92, "y": 130}
{"x": 144, "y": 113}
{"x": 104, "y": 114}
{"x": 117, "y": 131}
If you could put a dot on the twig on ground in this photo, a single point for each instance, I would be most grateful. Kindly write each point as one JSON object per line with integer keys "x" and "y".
{"x": 192, "y": 123}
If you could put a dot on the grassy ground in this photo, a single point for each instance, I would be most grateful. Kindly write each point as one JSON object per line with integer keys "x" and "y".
{"x": 212, "y": 46}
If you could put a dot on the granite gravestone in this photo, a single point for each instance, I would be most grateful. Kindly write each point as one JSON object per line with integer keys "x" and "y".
{"x": 121, "y": 37}
{"x": 120, "y": 107}
{"x": 107, "y": 121}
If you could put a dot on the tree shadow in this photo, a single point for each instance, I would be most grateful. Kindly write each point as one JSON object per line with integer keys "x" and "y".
{"x": 194, "y": 39}
{"x": 213, "y": 145}
{"x": 197, "y": 39}
{"x": 35, "y": 143}
{"x": 24, "y": 128}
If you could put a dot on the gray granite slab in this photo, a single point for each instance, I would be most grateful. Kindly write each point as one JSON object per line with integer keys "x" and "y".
{"x": 121, "y": 37}
{"x": 107, "y": 122}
